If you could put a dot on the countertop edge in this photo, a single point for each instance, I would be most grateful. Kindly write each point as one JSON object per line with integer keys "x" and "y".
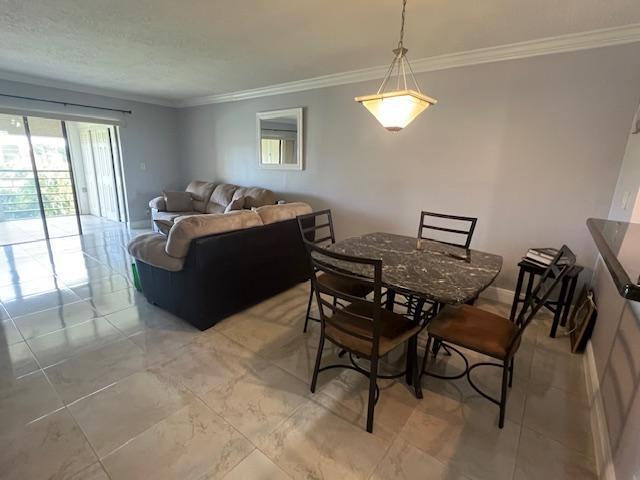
{"x": 626, "y": 287}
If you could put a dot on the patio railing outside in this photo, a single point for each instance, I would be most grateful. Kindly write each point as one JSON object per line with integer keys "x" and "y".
{"x": 19, "y": 198}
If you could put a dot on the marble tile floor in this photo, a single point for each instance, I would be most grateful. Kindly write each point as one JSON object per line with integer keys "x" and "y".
{"x": 97, "y": 384}
{"x": 31, "y": 229}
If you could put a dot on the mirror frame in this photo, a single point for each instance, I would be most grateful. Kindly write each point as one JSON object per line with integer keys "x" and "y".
{"x": 270, "y": 115}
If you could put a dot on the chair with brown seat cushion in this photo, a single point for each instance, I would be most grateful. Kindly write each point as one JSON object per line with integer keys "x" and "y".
{"x": 492, "y": 335}
{"x": 363, "y": 327}
{"x": 317, "y": 227}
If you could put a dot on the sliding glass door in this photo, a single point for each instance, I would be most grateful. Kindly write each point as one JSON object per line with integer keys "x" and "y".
{"x": 37, "y": 192}
{"x": 20, "y": 214}
{"x": 54, "y": 176}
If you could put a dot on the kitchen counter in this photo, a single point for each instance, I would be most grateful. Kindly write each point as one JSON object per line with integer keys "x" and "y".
{"x": 619, "y": 246}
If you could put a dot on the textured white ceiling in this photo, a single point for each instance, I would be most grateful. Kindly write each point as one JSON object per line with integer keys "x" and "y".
{"x": 182, "y": 49}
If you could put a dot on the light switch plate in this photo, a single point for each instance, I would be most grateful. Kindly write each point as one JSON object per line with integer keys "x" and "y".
{"x": 626, "y": 196}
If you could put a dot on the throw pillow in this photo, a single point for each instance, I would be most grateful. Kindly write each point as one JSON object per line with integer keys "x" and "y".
{"x": 163, "y": 226}
{"x": 237, "y": 204}
{"x": 178, "y": 201}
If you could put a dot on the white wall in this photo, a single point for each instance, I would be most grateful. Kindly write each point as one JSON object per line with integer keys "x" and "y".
{"x": 532, "y": 147}
{"x": 148, "y": 135}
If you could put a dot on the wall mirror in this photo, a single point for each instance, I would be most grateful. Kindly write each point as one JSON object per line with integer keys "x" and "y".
{"x": 279, "y": 135}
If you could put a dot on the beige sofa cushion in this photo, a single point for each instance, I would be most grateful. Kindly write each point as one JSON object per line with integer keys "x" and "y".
{"x": 221, "y": 197}
{"x": 177, "y": 201}
{"x": 278, "y": 213}
{"x": 163, "y": 226}
{"x": 255, "y": 196}
{"x": 200, "y": 192}
{"x": 151, "y": 249}
{"x": 171, "y": 216}
{"x": 215, "y": 208}
{"x": 236, "y": 204}
{"x": 188, "y": 228}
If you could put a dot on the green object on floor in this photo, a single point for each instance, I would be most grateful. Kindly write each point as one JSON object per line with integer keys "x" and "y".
{"x": 136, "y": 277}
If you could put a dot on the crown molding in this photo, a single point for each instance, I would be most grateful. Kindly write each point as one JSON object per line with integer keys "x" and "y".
{"x": 544, "y": 46}
{"x": 77, "y": 88}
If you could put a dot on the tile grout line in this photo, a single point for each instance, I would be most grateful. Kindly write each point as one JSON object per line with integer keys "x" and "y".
{"x": 64, "y": 406}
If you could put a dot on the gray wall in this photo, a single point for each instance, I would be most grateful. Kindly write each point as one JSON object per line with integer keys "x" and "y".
{"x": 628, "y": 182}
{"x": 532, "y": 147}
{"x": 149, "y": 135}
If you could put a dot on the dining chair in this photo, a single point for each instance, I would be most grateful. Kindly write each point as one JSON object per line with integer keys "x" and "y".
{"x": 455, "y": 230}
{"x": 492, "y": 335}
{"x": 459, "y": 227}
{"x": 317, "y": 228}
{"x": 362, "y": 328}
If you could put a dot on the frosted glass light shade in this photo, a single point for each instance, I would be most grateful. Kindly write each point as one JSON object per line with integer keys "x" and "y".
{"x": 395, "y": 110}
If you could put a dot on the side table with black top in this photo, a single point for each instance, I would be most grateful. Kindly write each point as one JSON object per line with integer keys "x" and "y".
{"x": 559, "y": 307}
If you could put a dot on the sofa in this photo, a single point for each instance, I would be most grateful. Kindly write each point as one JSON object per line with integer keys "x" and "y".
{"x": 210, "y": 266}
{"x": 207, "y": 198}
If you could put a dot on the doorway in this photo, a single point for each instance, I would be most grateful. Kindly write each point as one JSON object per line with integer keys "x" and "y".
{"x": 96, "y": 162}
{"x": 56, "y": 177}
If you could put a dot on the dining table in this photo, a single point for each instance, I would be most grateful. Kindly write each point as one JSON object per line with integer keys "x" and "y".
{"x": 426, "y": 269}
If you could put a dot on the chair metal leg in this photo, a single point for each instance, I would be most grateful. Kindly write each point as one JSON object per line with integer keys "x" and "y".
{"x": 419, "y": 305}
{"x": 416, "y": 372}
{"x": 306, "y": 319}
{"x": 426, "y": 356}
{"x": 568, "y": 299}
{"x": 516, "y": 296}
{"x": 408, "y": 376}
{"x": 316, "y": 369}
{"x": 391, "y": 298}
{"x": 503, "y": 396}
{"x": 511, "y": 368}
{"x": 373, "y": 386}
{"x": 557, "y": 314}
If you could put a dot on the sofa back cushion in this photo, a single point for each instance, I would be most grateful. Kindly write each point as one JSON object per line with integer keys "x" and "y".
{"x": 255, "y": 197}
{"x": 188, "y": 228}
{"x": 278, "y": 213}
{"x": 236, "y": 204}
{"x": 178, "y": 201}
{"x": 200, "y": 192}
{"x": 221, "y": 197}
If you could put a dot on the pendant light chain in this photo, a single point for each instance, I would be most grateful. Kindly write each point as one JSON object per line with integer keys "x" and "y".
{"x": 404, "y": 9}
{"x": 399, "y": 58}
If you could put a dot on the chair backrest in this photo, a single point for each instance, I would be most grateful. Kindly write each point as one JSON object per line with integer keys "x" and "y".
{"x": 464, "y": 232}
{"x": 564, "y": 261}
{"x": 317, "y": 227}
{"x": 339, "y": 266}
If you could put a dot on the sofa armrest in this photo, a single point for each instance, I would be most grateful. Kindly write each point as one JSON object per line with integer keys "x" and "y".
{"x": 150, "y": 249}
{"x": 158, "y": 203}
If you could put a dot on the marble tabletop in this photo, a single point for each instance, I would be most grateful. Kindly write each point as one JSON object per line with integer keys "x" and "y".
{"x": 440, "y": 272}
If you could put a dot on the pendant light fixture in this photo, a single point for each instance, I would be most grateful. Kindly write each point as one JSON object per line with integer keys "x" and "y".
{"x": 395, "y": 109}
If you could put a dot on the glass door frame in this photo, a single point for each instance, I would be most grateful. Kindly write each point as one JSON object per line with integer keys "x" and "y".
{"x": 34, "y": 168}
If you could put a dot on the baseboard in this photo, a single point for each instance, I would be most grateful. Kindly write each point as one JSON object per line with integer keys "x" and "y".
{"x": 497, "y": 294}
{"x": 602, "y": 448}
{"x": 140, "y": 224}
